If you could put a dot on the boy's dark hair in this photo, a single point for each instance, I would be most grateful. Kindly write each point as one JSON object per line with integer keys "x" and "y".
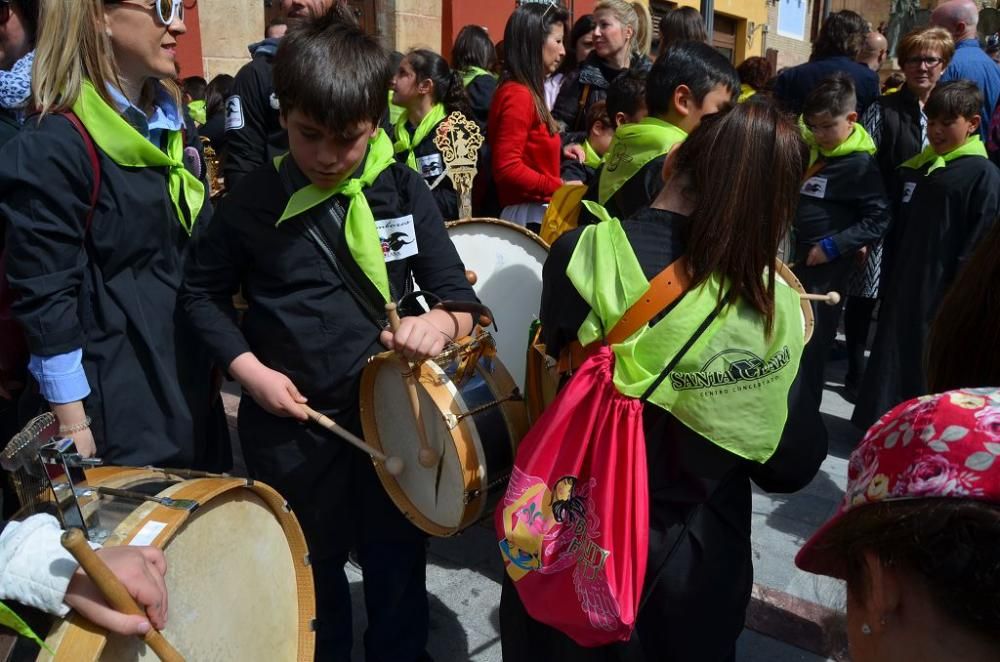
{"x": 194, "y": 87}
{"x": 680, "y": 25}
{"x": 523, "y": 38}
{"x": 691, "y": 63}
{"x": 756, "y": 72}
{"x": 626, "y": 94}
{"x": 473, "y": 48}
{"x": 835, "y": 95}
{"x": 842, "y": 34}
{"x": 959, "y": 98}
{"x": 448, "y": 88}
{"x": 330, "y": 70}
{"x": 218, "y": 90}
{"x": 599, "y": 113}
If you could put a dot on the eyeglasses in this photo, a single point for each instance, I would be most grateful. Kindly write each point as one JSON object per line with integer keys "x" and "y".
{"x": 917, "y": 61}
{"x": 167, "y": 11}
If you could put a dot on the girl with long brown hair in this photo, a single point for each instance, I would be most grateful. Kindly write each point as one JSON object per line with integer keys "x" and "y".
{"x": 703, "y": 443}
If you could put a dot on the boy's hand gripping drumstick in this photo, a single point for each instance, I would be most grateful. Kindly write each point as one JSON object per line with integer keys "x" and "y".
{"x": 427, "y": 456}
{"x": 393, "y": 465}
{"x": 114, "y": 592}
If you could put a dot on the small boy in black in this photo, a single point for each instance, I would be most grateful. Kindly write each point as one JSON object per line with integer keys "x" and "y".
{"x": 948, "y": 199}
{"x": 600, "y": 131}
{"x": 306, "y": 237}
{"x": 842, "y": 208}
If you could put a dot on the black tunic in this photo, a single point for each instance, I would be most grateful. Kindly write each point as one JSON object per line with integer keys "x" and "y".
{"x": 304, "y": 323}
{"x": 480, "y": 92}
{"x": 635, "y": 195}
{"x": 938, "y": 222}
{"x": 430, "y": 161}
{"x": 699, "y": 572}
{"x": 113, "y": 293}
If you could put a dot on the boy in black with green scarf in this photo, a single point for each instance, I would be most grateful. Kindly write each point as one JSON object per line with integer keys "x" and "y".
{"x": 321, "y": 240}
{"x": 842, "y": 209}
{"x": 948, "y": 199}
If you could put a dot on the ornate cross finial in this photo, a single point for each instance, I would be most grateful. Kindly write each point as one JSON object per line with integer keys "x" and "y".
{"x": 459, "y": 140}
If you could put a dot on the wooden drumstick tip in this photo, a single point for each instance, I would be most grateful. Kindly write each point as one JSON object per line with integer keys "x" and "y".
{"x": 471, "y": 276}
{"x": 394, "y": 465}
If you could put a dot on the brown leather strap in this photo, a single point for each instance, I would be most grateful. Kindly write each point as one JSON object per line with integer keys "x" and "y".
{"x": 664, "y": 289}
{"x": 573, "y": 355}
{"x": 813, "y": 169}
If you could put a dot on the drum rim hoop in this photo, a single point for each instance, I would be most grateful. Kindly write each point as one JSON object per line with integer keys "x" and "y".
{"x": 499, "y": 221}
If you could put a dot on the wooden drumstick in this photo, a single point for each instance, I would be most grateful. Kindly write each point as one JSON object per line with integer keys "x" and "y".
{"x": 830, "y": 298}
{"x": 114, "y": 592}
{"x": 393, "y": 464}
{"x": 428, "y": 457}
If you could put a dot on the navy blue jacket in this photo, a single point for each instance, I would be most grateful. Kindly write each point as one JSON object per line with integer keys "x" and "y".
{"x": 795, "y": 84}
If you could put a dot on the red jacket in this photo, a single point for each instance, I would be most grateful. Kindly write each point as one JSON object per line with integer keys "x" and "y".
{"x": 526, "y": 157}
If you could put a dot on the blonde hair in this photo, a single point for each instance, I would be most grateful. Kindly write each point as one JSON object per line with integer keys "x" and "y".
{"x": 636, "y": 16}
{"x": 927, "y": 39}
{"x": 73, "y": 46}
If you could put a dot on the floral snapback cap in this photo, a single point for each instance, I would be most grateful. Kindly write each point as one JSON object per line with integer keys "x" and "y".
{"x": 935, "y": 446}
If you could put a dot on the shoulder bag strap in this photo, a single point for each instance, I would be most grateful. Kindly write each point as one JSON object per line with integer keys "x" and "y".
{"x": 95, "y": 164}
{"x": 580, "y": 115}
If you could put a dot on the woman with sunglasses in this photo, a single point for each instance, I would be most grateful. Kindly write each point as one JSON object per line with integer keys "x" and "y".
{"x": 100, "y": 217}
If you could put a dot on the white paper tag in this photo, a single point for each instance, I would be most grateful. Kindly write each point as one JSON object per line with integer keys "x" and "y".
{"x": 147, "y": 534}
{"x": 815, "y": 187}
{"x": 398, "y": 237}
{"x": 908, "y": 189}
{"x": 431, "y": 165}
{"x": 234, "y": 113}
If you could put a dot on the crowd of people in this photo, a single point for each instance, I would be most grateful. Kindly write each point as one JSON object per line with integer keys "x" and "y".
{"x": 123, "y": 273}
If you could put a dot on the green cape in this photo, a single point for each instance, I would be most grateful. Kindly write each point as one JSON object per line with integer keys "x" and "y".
{"x": 633, "y": 146}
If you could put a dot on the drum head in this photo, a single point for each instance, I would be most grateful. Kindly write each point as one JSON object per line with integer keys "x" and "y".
{"x": 785, "y": 275}
{"x": 507, "y": 260}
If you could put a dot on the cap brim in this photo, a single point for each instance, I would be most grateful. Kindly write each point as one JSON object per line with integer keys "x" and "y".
{"x": 816, "y": 556}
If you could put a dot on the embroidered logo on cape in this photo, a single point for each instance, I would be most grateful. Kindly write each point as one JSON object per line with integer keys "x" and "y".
{"x": 553, "y": 531}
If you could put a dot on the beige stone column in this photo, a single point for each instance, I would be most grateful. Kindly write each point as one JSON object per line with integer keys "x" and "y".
{"x": 227, "y": 28}
{"x": 417, "y": 24}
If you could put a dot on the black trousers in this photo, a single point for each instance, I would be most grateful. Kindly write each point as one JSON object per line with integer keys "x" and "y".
{"x": 340, "y": 503}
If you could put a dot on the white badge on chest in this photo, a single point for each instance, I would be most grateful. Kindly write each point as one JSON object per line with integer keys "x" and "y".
{"x": 814, "y": 187}
{"x": 398, "y": 237}
{"x": 908, "y": 189}
{"x": 431, "y": 165}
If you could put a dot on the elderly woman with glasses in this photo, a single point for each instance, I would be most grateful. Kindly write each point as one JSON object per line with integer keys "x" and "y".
{"x": 897, "y": 124}
{"x": 101, "y": 208}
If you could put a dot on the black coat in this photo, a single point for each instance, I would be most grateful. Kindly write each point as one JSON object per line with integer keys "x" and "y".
{"x": 112, "y": 293}
{"x": 635, "y": 195}
{"x": 899, "y": 135}
{"x": 939, "y": 220}
{"x": 480, "y": 92}
{"x": 794, "y": 85}
{"x": 699, "y": 572}
{"x": 593, "y": 77}
{"x": 432, "y": 168}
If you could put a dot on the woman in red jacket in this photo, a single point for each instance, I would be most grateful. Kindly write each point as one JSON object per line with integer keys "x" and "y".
{"x": 523, "y": 137}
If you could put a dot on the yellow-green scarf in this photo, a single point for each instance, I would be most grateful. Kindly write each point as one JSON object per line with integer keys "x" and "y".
{"x": 745, "y": 93}
{"x": 407, "y": 143}
{"x": 128, "y": 148}
{"x": 731, "y": 386}
{"x": 198, "y": 111}
{"x": 359, "y": 226}
{"x": 472, "y": 73}
{"x": 592, "y": 159}
{"x": 633, "y": 146}
{"x": 858, "y": 141}
{"x": 971, "y": 147}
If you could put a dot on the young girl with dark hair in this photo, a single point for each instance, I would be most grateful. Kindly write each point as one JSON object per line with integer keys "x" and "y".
{"x": 429, "y": 91}
{"x": 699, "y": 570}
{"x": 524, "y": 138}
{"x": 475, "y": 58}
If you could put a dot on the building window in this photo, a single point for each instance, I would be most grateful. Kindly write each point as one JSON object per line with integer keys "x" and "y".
{"x": 792, "y": 18}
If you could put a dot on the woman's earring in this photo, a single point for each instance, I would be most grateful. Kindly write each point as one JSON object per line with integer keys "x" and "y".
{"x": 866, "y": 629}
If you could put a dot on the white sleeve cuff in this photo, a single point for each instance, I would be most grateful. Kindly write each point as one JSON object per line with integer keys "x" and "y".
{"x": 35, "y": 569}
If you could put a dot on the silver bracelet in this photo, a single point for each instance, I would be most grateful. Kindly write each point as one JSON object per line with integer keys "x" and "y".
{"x": 79, "y": 427}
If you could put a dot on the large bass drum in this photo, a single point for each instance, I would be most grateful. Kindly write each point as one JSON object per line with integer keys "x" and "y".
{"x": 238, "y": 579}
{"x": 507, "y": 261}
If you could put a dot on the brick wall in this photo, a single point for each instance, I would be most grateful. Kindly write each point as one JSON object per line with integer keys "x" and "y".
{"x": 790, "y": 51}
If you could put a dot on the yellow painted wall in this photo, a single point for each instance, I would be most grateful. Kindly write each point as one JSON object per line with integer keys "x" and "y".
{"x": 749, "y": 14}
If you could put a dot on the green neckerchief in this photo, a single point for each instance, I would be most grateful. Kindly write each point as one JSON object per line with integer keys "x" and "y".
{"x": 858, "y": 141}
{"x": 591, "y": 159}
{"x": 198, "y": 111}
{"x": 128, "y": 148}
{"x": 731, "y": 387}
{"x": 472, "y": 73}
{"x": 11, "y": 620}
{"x": 407, "y": 143}
{"x": 633, "y": 146}
{"x": 359, "y": 226}
{"x": 395, "y": 112}
{"x": 745, "y": 93}
{"x": 971, "y": 147}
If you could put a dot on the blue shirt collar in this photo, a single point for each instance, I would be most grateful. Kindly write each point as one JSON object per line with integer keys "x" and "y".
{"x": 164, "y": 117}
{"x": 967, "y": 43}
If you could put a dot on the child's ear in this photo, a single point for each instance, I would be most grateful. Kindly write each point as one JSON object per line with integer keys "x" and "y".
{"x": 974, "y": 122}
{"x": 426, "y": 86}
{"x": 620, "y": 118}
{"x": 852, "y": 117}
{"x": 684, "y": 100}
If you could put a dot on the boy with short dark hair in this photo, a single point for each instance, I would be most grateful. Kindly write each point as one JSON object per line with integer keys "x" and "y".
{"x": 686, "y": 83}
{"x": 305, "y": 238}
{"x": 948, "y": 198}
{"x": 626, "y": 99}
{"x": 842, "y": 208}
{"x": 600, "y": 131}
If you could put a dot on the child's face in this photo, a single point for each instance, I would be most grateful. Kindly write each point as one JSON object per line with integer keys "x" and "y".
{"x": 405, "y": 87}
{"x": 325, "y": 157}
{"x": 600, "y": 137}
{"x": 688, "y": 113}
{"x": 945, "y": 134}
{"x": 831, "y": 131}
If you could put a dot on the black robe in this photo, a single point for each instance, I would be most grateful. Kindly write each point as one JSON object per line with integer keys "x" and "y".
{"x": 939, "y": 219}
{"x": 113, "y": 293}
{"x": 700, "y": 572}
{"x": 431, "y": 164}
{"x": 637, "y": 193}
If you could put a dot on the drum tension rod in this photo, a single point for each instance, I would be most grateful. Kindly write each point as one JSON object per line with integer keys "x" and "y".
{"x": 178, "y": 504}
{"x": 452, "y": 420}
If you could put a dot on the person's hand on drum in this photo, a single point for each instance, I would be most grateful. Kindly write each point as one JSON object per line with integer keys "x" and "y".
{"x": 140, "y": 570}
{"x": 269, "y": 388}
{"x": 416, "y": 339}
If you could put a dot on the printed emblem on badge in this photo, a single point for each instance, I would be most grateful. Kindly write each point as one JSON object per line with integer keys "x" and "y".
{"x": 814, "y": 187}
{"x": 431, "y": 165}
{"x": 908, "y": 189}
{"x": 274, "y": 101}
{"x": 398, "y": 238}
{"x": 234, "y": 113}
